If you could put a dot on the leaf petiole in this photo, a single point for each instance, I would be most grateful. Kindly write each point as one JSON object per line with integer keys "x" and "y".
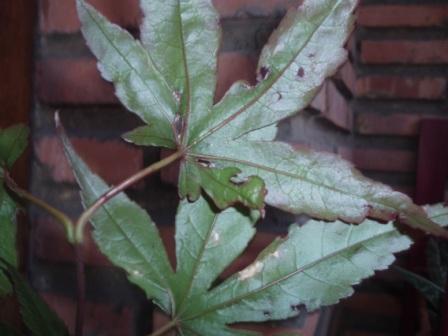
{"x": 57, "y": 214}
{"x": 89, "y": 212}
{"x": 167, "y": 327}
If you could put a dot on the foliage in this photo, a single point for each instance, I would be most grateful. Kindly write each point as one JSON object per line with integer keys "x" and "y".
{"x": 37, "y": 316}
{"x": 230, "y": 167}
{"x": 168, "y": 80}
{"x": 314, "y": 265}
{"x": 13, "y": 141}
{"x": 432, "y": 286}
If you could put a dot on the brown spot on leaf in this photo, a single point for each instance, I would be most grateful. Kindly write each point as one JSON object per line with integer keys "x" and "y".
{"x": 204, "y": 163}
{"x": 301, "y": 72}
{"x": 264, "y": 72}
{"x": 295, "y": 308}
{"x": 278, "y": 96}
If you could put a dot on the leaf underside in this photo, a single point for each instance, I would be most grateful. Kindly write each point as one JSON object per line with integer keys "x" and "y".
{"x": 126, "y": 234}
{"x": 168, "y": 79}
{"x": 315, "y": 265}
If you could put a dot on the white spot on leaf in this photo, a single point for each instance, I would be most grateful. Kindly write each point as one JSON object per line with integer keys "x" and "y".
{"x": 251, "y": 270}
{"x": 215, "y": 237}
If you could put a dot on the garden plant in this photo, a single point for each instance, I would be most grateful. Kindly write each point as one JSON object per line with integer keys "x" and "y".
{"x": 230, "y": 168}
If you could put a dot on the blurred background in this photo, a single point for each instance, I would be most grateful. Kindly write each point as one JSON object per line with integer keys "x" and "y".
{"x": 386, "y": 110}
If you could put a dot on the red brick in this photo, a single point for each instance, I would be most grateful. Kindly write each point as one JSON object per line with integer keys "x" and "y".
{"x": 333, "y": 105}
{"x": 380, "y": 159}
{"x": 230, "y": 8}
{"x": 78, "y": 81}
{"x": 375, "y": 304}
{"x": 72, "y": 81}
{"x": 379, "y": 86}
{"x": 234, "y": 66}
{"x": 159, "y": 319}
{"x": 102, "y": 158}
{"x": 405, "y": 189}
{"x": 59, "y": 250}
{"x": 274, "y": 328}
{"x": 400, "y": 124}
{"x": 51, "y": 245}
{"x": 59, "y": 16}
{"x": 100, "y": 319}
{"x": 169, "y": 174}
{"x": 403, "y": 15}
{"x": 404, "y": 52}
{"x": 393, "y": 86}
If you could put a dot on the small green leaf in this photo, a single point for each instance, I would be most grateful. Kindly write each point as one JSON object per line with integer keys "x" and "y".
{"x": 431, "y": 291}
{"x": 7, "y": 331}
{"x": 316, "y": 265}
{"x": 8, "y": 230}
{"x": 437, "y": 261}
{"x": 126, "y": 234}
{"x": 36, "y": 314}
{"x": 223, "y": 186}
{"x": 5, "y": 285}
{"x": 13, "y": 141}
{"x": 123, "y": 61}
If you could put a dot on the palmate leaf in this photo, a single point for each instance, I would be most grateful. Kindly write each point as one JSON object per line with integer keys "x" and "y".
{"x": 169, "y": 81}
{"x": 315, "y": 265}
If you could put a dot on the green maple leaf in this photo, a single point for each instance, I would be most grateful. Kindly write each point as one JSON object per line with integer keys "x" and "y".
{"x": 13, "y": 141}
{"x": 37, "y": 315}
{"x": 168, "y": 80}
{"x": 315, "y": 265}
{"x": 433, "y": 288}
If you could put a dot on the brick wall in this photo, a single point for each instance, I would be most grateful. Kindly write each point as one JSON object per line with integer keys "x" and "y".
{"x": 396, "y": 76}
{"x": 369, "y": 113}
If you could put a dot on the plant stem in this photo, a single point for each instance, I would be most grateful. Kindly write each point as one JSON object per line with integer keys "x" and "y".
{"x": 88, "y": 213}
{"x": 167, "y": 327}
{"x": 81, "y": 290}
{"x": 57, "y": 214}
